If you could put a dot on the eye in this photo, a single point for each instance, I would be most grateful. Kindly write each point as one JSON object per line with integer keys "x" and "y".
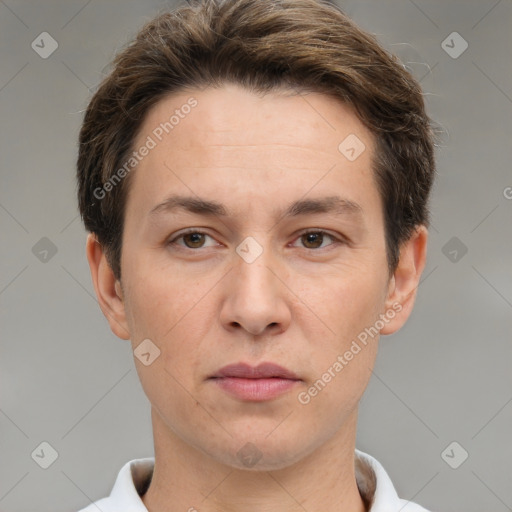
{"x": 316, "y": 239}
{"x": 192, "y": 240}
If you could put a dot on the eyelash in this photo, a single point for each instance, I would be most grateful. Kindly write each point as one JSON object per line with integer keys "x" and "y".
{"x": 336, "y": 240}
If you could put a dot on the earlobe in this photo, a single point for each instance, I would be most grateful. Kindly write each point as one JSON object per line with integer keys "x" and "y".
{"x": 404, "y": 283}
{"x": 107, "y": 287}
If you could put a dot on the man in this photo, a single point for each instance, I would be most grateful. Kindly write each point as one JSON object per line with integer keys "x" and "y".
{"x": 255, "y": 178}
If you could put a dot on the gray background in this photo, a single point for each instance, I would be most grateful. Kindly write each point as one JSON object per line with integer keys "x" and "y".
{"x": 446, "y": 376}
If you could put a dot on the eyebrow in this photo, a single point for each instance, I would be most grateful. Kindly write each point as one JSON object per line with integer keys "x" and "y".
{"x": 330, "y": 204}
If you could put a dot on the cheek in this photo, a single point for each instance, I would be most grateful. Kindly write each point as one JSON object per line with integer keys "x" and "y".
{"x": 175, "y": 311}
{"x": 168, "y": 310}
{"x": 341, "y": 344}
{"x": 343, "y": 302}
{"x": 160, "y": 300}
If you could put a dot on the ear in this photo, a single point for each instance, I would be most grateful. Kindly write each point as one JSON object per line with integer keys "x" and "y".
{"x": 405, "y": 280}
{"x": 107, "y": 287}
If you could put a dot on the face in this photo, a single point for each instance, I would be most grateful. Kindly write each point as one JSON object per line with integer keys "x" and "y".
{"x": 251, "y": 236}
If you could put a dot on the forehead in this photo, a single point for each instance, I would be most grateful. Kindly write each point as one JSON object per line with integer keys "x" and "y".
{"x": 232, "y": 116}
{"x": 210, "y": 140}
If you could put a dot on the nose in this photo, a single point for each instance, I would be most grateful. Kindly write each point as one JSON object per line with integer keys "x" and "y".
{"x": 256, "y": 297}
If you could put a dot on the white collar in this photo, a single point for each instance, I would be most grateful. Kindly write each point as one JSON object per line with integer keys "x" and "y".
{"x": 134, "y": 478}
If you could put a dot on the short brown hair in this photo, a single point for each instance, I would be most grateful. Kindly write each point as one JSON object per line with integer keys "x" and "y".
{"x": 263, "y": 45}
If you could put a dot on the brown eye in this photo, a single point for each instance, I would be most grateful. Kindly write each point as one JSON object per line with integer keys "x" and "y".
{"x": 313, "y": 240}
{"x": 316, "y": 240}
{"x": 194, "y": 240}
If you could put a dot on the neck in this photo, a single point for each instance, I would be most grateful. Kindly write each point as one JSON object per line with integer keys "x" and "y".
{"x": 186, "y": 479}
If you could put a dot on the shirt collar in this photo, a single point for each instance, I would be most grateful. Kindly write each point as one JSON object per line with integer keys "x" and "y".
{"x": 374, "y": 484}
{"x": 128, "y": 488}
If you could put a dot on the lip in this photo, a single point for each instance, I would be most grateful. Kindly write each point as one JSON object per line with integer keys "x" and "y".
{"x": 255, "y": 383}
{"x": 262, "y": 371}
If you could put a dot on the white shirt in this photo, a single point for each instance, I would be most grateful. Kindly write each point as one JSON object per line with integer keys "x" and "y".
{"x": 134, "y": 477}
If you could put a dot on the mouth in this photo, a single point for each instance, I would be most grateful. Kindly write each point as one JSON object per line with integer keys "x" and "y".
{"x": 259, "y": 383}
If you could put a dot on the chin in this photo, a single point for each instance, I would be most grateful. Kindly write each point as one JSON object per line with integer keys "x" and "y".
{"x": 265, "y": 454}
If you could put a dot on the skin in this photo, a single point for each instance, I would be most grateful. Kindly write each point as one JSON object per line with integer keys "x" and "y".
{"x": 300, "y": 304}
